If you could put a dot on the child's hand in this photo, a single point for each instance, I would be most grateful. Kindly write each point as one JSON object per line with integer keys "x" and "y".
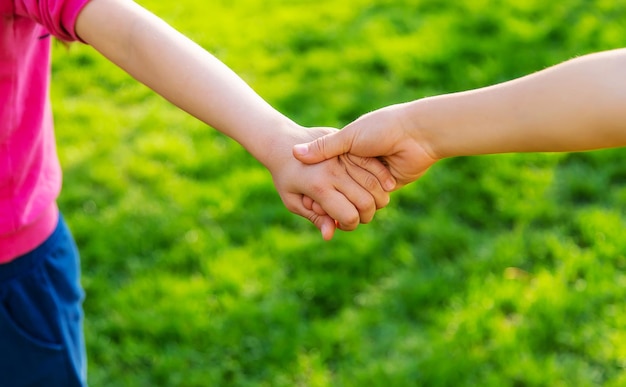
{"x": 367, "y": 172}
{"x": 345, "y": 189}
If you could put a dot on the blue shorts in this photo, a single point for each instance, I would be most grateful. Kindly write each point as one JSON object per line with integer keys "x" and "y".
{"x": 41, "y": 334}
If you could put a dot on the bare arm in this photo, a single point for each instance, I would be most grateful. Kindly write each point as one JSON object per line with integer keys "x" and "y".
{"x": 181, "y": 71}
{"x": 576, "y": 105}
{"x": 194, "y": 80}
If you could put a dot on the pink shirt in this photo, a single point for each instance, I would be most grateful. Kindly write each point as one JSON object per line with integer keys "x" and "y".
{"x": 30, "y": 176}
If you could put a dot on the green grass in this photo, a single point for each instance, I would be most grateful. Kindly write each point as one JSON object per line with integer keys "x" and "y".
{"x": 505, "y": 270}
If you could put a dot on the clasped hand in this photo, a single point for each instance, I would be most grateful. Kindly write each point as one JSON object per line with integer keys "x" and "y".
{"x": 338, "y": 192}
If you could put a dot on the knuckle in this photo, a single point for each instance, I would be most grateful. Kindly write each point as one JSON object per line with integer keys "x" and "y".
{"x": 351, "y": 222}
{"x": 322, "y": 145}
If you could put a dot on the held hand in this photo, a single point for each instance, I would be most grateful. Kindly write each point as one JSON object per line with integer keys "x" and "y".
{"x": 345, "y": 189}
{"x": 383, "y": 134}
{"x": 369, "y": 173}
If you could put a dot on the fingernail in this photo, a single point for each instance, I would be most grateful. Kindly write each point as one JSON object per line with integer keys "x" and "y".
{"x": 390, "y": 184}
{"x": 301, "y": 149}
{"x": 324, "y": 231}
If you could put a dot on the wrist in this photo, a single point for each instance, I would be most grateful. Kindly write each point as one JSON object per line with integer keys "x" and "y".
{"x": 452, "y": 125}
{"x": 271, "y": 144}
{"x": 420, "y": 121}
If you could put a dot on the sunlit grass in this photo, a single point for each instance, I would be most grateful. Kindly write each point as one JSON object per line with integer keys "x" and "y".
{"x": 505, "y": 270}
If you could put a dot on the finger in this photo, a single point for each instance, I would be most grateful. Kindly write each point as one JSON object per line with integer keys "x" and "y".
{"x": 324, "y": 223}
{"x": 312, "y": 205}
{"x": 352, "y": 198}
{"x": 307, "y": 202}
{"x": 324, "y": 148}
{"x": 369, "y": 183}
{"x": 341, "y": 206}
{"x": 376, "y": 167}
{"x": 317, "y": 208}
{"x": 364, "y": 203}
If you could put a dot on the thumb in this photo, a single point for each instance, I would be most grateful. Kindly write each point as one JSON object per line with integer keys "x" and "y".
{"x": 324, "y": 148}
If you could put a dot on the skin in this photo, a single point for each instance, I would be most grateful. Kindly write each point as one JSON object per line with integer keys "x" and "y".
{"x": 577, "y": 105}
{"x": 346, "y": 190}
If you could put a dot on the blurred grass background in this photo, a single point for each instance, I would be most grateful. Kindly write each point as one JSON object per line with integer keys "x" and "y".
{"x": 505, "y": 270}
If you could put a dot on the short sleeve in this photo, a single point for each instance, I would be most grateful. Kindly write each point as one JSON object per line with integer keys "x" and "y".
{"x": 57, "y": 16}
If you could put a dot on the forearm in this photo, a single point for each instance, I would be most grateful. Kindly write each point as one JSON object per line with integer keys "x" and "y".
{"x": 577, "y": 105}
{"x": 182, "y": 72}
